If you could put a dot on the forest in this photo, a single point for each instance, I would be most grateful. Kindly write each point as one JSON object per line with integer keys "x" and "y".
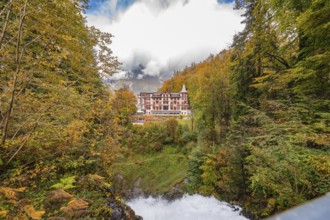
{"x": 60, "y": 125}
{"x": 260, "y": 136}
{"x": 262, "y": 110}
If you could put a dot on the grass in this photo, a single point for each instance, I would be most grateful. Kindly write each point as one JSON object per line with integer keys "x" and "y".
{"x": 159, "y": 172}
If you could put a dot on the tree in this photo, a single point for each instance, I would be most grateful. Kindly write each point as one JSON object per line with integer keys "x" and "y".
{"x": 262, "y": 108}
{"x": 124, "y": 103}
{"x": 171, "y": 127}
{"x": 47, "y": 55}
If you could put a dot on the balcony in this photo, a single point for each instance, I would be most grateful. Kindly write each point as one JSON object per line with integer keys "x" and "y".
{"x": 168, "y": 112}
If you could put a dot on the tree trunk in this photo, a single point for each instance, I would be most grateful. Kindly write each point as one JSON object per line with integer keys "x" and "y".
{"x": 19, "y": 53}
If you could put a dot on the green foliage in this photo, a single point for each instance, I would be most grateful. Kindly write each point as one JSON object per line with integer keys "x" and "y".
{"x": 155, "y": 173}
{"x": 263, "y": 108}
{"x": 210, "y": 175}
{"x": 196, "y": 160}
{"x": 65, "y": 183}
{"x": 260, "y": 111}
{"x": 152, "y": 137}
{"x": 124, "y": 105}
{"x": 171, "y": 127}
{"x": 58, "y": 122}
{"x": 149, "y": 138}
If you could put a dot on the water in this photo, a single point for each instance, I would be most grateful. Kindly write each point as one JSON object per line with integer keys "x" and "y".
{"x": 195, "y": 207}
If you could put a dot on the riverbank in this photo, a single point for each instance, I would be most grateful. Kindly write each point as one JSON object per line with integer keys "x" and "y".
{"x": 156, "y": 174}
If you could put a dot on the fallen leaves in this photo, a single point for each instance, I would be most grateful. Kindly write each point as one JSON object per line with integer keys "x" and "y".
{"x": 78, "y": 204}
{"x": 31, "y": 212}
{"x": 11, "y": 193}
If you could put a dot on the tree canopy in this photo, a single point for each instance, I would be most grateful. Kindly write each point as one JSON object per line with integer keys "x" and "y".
{"x": 59, "y": 124}
{"x": 262, "y": 108}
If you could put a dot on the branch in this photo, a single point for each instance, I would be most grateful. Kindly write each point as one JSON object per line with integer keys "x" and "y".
{"x": 279, "y": 59}
{"x": 24, "y": 142}
{"x": 18, "y": 66}
{"x": 5, "y": 25}
{"x": 6, "y": 6}
{"x": 37, "y": 122}
{"x": 38, "y": 113}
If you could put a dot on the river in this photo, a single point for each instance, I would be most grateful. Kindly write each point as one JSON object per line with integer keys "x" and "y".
{"x": 194, "y": 207}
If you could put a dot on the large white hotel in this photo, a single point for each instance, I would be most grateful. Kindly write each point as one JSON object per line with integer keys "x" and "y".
{"x": 164, "y": 103}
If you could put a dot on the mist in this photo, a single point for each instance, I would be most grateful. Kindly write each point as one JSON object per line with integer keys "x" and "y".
{"x": 195, "y": 207}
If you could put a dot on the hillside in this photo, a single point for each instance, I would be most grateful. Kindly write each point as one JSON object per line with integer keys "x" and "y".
{"x": 261, "y": 109}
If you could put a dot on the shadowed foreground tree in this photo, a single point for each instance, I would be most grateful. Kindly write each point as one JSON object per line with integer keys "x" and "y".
{"x": 58, "y": 126}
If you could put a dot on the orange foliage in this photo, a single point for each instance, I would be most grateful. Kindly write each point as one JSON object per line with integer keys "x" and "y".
{"x": 31, "y": 212}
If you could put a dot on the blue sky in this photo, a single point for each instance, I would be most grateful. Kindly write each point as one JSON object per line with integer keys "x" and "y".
{"x": 95, "y": 4}
{"x": 121, "y": 4}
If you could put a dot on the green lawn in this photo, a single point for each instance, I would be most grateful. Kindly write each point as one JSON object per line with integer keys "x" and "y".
{"x": 158, "y": 172}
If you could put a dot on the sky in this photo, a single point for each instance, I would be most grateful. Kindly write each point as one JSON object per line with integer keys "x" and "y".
{"x": 155, "y": 38}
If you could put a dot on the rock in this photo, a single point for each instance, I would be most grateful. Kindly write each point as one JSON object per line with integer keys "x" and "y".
{"x": 78, "y": 204}
{"x": 137, "y": 190}
{"x": 76, "y": 208}
{"x": 81, "y": 213}
{"x": 117, "y": 213}
{"x": 58, "y": 196}
{"x": 174, "y": 193}
{"x": 121, "y": 211}
{"x": 130, "y": 214}
{"x": 119, "y": 185}
{"x": 67, "y": 211}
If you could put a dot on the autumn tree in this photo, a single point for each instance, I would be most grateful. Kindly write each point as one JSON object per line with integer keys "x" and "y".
{"x": 124, "y": 103}
{"x": 262, "y": 108}
{"x": 57, "y": 120}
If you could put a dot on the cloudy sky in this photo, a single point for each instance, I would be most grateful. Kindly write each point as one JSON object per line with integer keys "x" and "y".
{"x": 159, "y": 37}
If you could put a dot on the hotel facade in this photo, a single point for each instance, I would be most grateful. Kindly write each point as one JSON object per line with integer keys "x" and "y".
{"x": 164, "y": 103}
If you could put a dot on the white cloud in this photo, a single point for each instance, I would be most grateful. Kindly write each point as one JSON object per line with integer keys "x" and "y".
{"x": 152, "y": 69}
{"x": 119, "y": 75}
{"x": 165, "y": 36}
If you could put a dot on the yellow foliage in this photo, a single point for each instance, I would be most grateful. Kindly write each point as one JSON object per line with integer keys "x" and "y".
{"x": 95, "y": 177}
{"x": 31, "y": 212}
{"x": 97, "y": 181}
{"x": 78, "y": 204}
{"x": 76, "y": 129}
{"x": 22, "y": 189}
{"x": 271, "y": 205}
{"x": 11, "y": 201}
{"x": 10, "y": 193}
{"x": 3, "y": 213}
